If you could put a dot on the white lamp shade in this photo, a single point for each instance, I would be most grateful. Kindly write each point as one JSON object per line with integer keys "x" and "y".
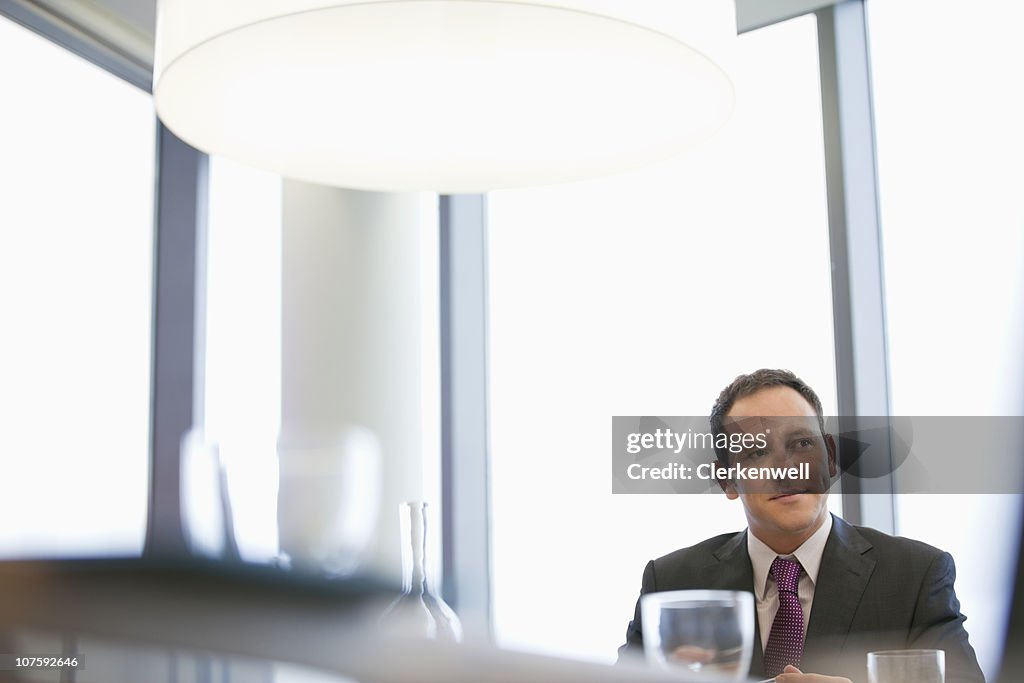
{"x": 454, "y": 96}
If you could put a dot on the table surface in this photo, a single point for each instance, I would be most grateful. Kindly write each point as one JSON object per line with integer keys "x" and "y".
{"x": 263, "y": 612}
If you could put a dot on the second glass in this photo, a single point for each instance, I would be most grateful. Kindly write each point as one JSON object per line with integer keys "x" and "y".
{"x": 907, "y": 666}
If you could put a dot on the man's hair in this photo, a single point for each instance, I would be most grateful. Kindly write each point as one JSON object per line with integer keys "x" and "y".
{"x": 745, "y": 385}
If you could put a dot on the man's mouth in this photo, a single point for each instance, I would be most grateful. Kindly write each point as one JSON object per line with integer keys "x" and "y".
{"x": 788, "y": 494}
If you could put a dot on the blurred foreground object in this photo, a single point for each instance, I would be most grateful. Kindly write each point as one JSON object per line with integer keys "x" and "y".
{"x": 206, "y": 516}
{"x": 418, "y": 612}
{"x": 327, "y": 499}
{"x": 185, "y": 611}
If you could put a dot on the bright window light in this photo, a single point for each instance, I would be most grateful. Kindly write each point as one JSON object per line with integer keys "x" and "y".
{"x": 76, "y": 230}
{"x": 949, "y": 149}
{"x": 645, "y": 295}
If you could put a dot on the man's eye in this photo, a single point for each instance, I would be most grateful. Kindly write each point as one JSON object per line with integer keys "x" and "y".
{"x": 804, "y": 443}
{"x": 760, "y": 452}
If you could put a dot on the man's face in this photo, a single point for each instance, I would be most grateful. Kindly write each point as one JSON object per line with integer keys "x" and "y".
{"x": 781, "y": 509}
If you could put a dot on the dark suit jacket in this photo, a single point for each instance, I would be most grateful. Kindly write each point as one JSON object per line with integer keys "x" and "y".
{"x": 874, "y": 592}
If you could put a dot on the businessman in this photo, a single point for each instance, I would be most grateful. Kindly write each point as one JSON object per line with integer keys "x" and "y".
{"x": 826, "y": 592}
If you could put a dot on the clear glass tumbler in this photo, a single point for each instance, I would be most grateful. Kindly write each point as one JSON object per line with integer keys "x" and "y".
{"x": 907, "y": 666}
{"x": 711, "y": 632}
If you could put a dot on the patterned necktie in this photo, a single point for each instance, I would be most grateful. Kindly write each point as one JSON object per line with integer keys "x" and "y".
{"x": 786, "y": 639}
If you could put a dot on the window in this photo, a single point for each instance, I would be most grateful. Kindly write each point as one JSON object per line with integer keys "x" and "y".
{"x": 645, "y": 294}
{"x": 243, "y": 344}
{"x": 76, "y": 229}
{"x": 949, "y": 150}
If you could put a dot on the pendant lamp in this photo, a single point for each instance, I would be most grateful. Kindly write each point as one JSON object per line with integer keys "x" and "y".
{"x": 453, "y": 96}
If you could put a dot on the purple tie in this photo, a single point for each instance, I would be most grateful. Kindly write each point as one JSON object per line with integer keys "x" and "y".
{"x": 786, "y": 639}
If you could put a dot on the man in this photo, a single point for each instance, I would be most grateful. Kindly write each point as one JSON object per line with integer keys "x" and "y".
{"x": 826, "y": 592}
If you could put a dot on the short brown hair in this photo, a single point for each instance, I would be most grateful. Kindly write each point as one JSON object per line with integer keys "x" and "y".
{"x": 745, "y": 385}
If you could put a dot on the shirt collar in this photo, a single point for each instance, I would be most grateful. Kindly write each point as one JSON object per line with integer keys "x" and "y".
{"x": 808, "y": 555}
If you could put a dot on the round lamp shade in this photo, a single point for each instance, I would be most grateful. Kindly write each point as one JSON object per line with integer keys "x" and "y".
{"x": 454, "y": 96}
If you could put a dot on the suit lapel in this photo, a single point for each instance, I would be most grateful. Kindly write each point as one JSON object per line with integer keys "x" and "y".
{"x": 842, "y": 578}
{"x": 731, "y": 570}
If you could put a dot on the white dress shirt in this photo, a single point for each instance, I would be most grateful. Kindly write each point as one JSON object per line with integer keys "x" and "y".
{"x": 766, "y": 593}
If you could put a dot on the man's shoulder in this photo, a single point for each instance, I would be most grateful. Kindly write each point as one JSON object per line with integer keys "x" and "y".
{"x": 885, "y": 548}
{"x": 697, "y": 555}
{"x": 886, "y": 545}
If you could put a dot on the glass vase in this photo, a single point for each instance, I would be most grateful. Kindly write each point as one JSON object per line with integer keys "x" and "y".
{"x": 418, "y": 612}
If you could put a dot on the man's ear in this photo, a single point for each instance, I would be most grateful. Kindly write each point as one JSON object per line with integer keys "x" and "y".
{"x": 727, "y": 485}
{"x": 830, "y": 446}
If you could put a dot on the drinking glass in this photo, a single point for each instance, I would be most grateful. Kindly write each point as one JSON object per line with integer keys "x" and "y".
{"x": 711, "y": 632}
{"x": 206, "y": 518}
{"x": 327, "y": 499}
{"x": 907, "y": 666}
